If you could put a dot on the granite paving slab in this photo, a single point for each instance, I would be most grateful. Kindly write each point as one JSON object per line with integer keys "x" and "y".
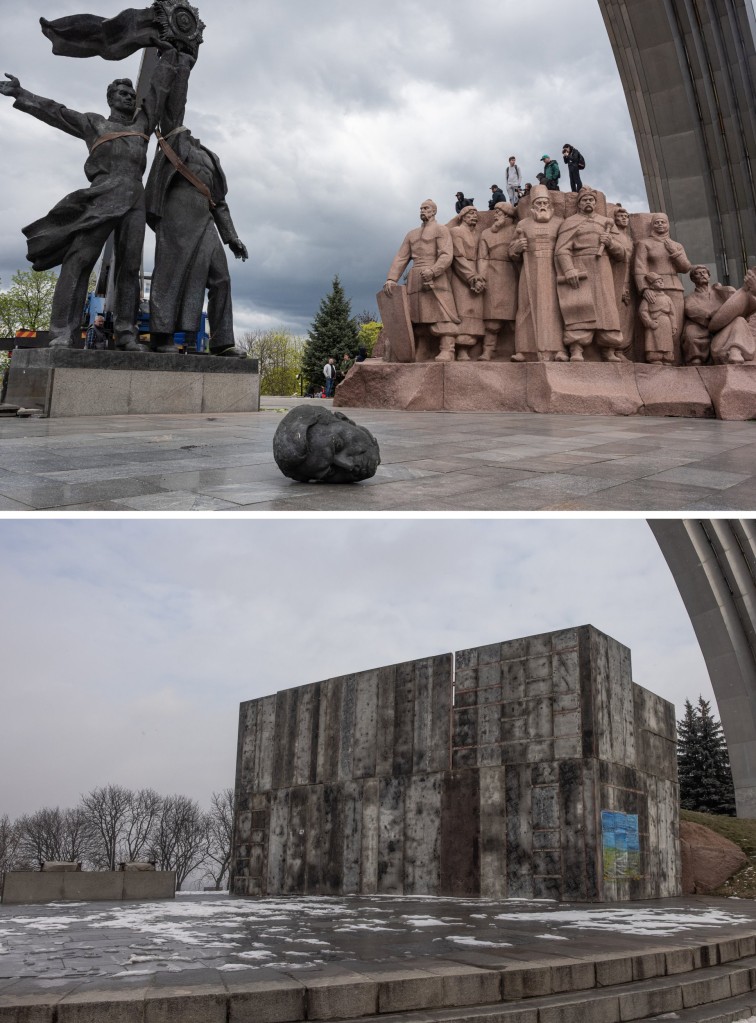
{"x": 430, "y": 461}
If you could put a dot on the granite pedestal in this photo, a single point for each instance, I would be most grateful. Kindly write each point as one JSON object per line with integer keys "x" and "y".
{"x": 69, "y": 382}
{"x": 590, "y": 388}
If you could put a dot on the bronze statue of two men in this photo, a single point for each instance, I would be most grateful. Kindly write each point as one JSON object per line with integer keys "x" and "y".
{"x": 185, "y": 199}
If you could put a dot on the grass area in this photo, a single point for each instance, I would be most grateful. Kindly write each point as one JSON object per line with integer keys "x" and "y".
{"x": 742, "y": 832}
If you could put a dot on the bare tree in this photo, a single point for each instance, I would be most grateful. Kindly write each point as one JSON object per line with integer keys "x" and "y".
{"x": 179, "y": 840}
{"x": 52, "y": 834}
{"x": 219, "y": 822}
{"x": 144, "y": 808}
{"x": 107, "y": 810}
{"x": 9, "y": 842}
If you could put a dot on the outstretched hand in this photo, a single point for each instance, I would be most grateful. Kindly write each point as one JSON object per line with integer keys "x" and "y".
{"x": 12, "y": 87}
{"x": 239, "y": 249}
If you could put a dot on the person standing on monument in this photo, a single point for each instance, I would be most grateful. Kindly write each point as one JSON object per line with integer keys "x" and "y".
{"x": 74, "y": 232}
{"x": 575, "y": 163}
{"x": 499, "y": 272}
{"x": 514, "y": 181}
{"x": 586, "y": 245}
{"x": 430, "y": 249}
{"x": 551, "y": 173}
{"x": 539, "y": 327}
{"x": 187, "y": 210}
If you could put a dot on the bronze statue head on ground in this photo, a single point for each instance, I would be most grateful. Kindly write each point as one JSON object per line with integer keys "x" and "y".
{"x": 313, "y": 444}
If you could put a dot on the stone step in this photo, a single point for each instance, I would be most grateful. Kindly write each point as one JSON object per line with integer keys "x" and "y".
{"x": 704, "y": 994}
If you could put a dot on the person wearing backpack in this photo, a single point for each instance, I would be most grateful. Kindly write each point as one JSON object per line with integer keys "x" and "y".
{"x": 575, "y": 163}
{"x": 552, "y": 174}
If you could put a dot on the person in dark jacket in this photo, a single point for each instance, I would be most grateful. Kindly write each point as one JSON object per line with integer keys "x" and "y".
{"x": 551, "y": 174}
{"x": 575, "y": 163}
{"x": 96, "y": 337}
{"x": 497, "y": 195}
{"x": 462, "y": 202}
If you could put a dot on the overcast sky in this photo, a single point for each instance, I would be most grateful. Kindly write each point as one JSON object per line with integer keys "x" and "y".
{"x": 334, "y": 120}
{"x": 127, "y": 646}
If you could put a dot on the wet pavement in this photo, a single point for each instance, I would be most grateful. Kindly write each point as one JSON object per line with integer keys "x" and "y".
{"x": 431, "y": 461}
{"x": 86, "y": 941}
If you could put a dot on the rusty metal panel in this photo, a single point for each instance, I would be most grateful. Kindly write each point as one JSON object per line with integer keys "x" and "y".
{"x": 460, "y": 834}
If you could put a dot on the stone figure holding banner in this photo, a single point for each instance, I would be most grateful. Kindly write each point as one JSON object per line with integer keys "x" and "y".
{"x": 187, "y": 209}
{"x": 74, "y": 232}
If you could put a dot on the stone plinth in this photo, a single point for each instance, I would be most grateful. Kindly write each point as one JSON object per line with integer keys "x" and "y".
{"x": 533, "y": 768}
{"x": 590, "y": 388}
{"x": 25, "y": 886}
{"x": 732, "y": 390}
{"x": 70, "y": 382}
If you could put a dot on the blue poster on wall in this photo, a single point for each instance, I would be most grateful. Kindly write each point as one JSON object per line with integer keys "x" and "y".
{"x": 621, "y": 845}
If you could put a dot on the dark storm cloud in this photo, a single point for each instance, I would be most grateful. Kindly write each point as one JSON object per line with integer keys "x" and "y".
{"x": 334, "y": 120}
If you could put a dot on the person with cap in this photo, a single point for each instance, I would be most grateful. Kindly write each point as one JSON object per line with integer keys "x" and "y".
{"x": 551, "y": 173}
{"x": 496, "y": 196}
{"x": 462, "y": 202}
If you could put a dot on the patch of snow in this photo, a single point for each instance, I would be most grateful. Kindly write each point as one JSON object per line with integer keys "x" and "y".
{"x": 552, "y": 937}
{"x": 424, "y": 921}
{"x": 659, "y": 922}
{"x": 254, "y": 955}
{"x": 477, "y": 942}
{"x": 236, "y": 966}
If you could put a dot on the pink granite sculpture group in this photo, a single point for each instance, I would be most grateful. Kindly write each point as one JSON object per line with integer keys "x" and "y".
{"x": 560, "y": 278}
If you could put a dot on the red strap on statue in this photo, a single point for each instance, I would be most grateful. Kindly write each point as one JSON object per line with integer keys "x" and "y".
{"x": 117, "y": 135}
{"x": 182, "y": 168}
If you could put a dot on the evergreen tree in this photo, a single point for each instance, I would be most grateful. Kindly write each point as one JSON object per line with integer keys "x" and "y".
{"x": 703, "y": 762}
{"x": 332, "y": 333}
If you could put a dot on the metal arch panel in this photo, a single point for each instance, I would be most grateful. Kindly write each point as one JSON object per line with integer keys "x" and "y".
{"x": 713, "y": 562}
{"x": 688, "y": 68}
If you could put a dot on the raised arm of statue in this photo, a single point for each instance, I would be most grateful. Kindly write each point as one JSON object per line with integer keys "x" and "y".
{"x": 162, "y": 83}
{"x": 174, "y": 108}
{"x": 47, "y": 110}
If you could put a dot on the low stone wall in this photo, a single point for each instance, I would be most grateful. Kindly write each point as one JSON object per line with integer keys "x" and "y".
{"x": 588, "y": 389}
{"x": 68, "y": 382}
{"x": 24, "y": 886}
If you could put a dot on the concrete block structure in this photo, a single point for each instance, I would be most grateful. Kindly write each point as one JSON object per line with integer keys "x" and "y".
{"x": 531, "y": 768}
{"x": 689, "y": 74}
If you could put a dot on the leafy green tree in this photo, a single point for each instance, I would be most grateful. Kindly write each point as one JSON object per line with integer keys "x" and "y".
{"x": 703, "y": 762}
{"x": 27, "y": 304}
{"x": 368, "y": 334}
{"x": 279, "y": 353}
{"x": 332, "y": 333}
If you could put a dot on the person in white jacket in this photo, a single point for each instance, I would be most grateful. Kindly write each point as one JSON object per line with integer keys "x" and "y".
{"x": 514, "y": 181}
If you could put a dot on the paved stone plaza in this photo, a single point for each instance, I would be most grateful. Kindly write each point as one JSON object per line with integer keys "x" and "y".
{"x": 465, "y": 462}
{"x": 83, "y": 941}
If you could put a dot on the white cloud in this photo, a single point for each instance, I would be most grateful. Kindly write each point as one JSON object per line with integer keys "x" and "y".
{"x": 128, "y": 645}
{"x": 334, "y": 121}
